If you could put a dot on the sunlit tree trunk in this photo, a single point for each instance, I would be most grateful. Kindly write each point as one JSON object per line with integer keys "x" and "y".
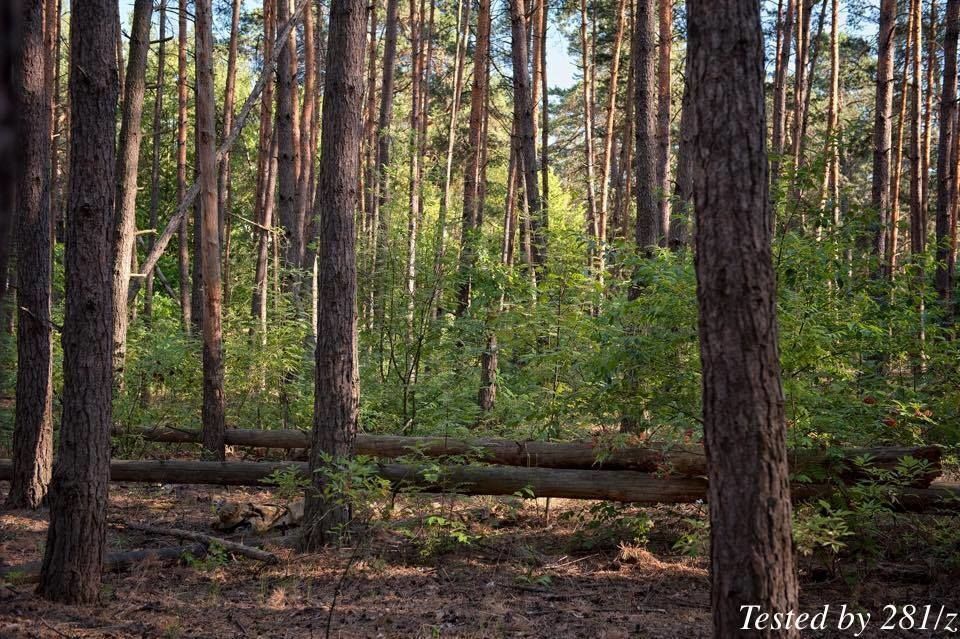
{"x": 593, "y": 221}
{"x": 664, "y": 46}
{"x": 609, "y": 136}
{"x": 648, "y": 231}
{"x": 224, "y": 188}
{"x": 785, "y": 41}
{"x": 883, "y": 131}
{"x": 288, "y": 160}
{"x": 265, "y": 176}
{"x": 946, "y": 165}
{"x": 155, "y": 159}
{"x": 183, "y": 238}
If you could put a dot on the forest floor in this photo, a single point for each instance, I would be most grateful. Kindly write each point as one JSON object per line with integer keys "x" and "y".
{"x": 519, "y": 574}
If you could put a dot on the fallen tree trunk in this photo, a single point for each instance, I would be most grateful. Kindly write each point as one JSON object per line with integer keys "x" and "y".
{"x": 687, "y": 461}
{"x": 624, "y": 486}
{"x": 29, "y": 573}
{"x": 207, "y": 540}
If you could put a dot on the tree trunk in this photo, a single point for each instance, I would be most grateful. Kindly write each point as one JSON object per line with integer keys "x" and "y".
{"x": 932, "y": 63}
{"x": 183, "y": 236}
{"x": 76, "y": 536}
{"x": 595, "y": 248}
{"x": 155, "y": 163}
{"x": 224, "y": 189}
{"x": 663, "y": 117}
{"x": 831, "y": 192}
{"x": 544, "y": 117}
{"x": 894, "y": 244}
{"x": 883, "y": 132}
{"x": 307, "y": 149}
{"x": 523, "y": 118}
{"x": 264, "y": 197}
{"x": 917, "y": 217}
{"x": 416, "y": 113}
{"x": 33, "y": 425}
{"x": 337, "y": 385}
{"x": 680, "y": 225}
{"x": 475, "y": 143}
{"x": 128, "y": 159}
{"x": 744, "y": 424}
{"x": 785, "y": 38}
{"x": 213, "y": 397}
{"x": 648, "y": 229}
{"x": 10, "y": 16}
{"x": 288, "y": 160}
{"x": 609, "y": 138}
{"x": 946, "y": 167}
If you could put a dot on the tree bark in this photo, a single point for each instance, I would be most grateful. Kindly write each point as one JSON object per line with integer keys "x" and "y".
{"x": 33, "y": 425}
{"x": 883, "y": 132}
{"x": 648, "y": 229}
{"x": 893, "y": 245}
{"x": 664, "y": 47}
{"x": 224, "y": 189}
{"x": 475, "y": 143}
{"x": 683, "y": 213}
{"x": 155, "y": 160}
{"x": 525, "y": 129}
{"x": 264, "y": 196}
{"x": 10, "y": 16}
{"x": 785, "y": 36}
{"x": 128, "y": 159}
{"x": 76, "y": 537}
{"x": 946, "y": 167}
{"x": 595, "y": 248}
{"x": 609, "y": 137}
{"x": 183, "y": 236}
{"x": 288, "y": 160}
{"x": 337, "y": 383}
{"x": 213, "y": 394}
{"x": 918, "y": 234}
{"x": 744, "y": 425}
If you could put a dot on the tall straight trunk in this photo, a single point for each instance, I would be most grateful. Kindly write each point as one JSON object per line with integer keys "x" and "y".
{"x": 337, "y": 385}
{"x": 128, "y": 159}
{"x": 883, "y": 131}
{"x": 523, "y": 117}
{"x": 264, "y": 198}
{"x": 628, "y": 138}
{"x": 10, "y": 17}
{"x": 609, "y": 138}
{"x": 679, "y": 226}
{"x": 925, "y": 139}
{"x": 745, "y": 430}
{"x": 383, "y": 127}
{"x": 917, "y": 216}
{"x": 33, "y": 425}
{"x": 52, "y": 44}
{"x": 831, "y": 192}
{"x": 593, "y": 221}
{"x": 802, "y": 37}
{"x": 648, "y": 231}
{"x": 475, "y": 142}
{"x": 370, "y": 137}
{"x": 416, "y": 114}
{"x": 544, "y": 117}
{"x": 894, "y": 231}
{"x": 224, "y": 189}
{"x": 459, "y": 62}
{"x": 307, "y": 147}
{"x": 663, "y": 116}
{"x": 288, "y": 144}
{"x": 946, "y": 166}
{"x": 183, "y": 236}
{"x": 785, "y": 38}
{"x": 213, "y": 397}
{"x": 76, "y": 537}
{"x": 155, "y": 159}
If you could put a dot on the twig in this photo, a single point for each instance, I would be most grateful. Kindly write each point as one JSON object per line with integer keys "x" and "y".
{"x": 232, "y": 546}
{"x": 44, "y": 622}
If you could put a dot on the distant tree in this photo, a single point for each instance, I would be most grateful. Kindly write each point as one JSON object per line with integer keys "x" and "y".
{"x": 744, "y": 424}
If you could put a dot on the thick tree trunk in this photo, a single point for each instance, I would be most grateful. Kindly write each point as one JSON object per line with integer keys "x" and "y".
{"x": 78, "y": 493}
{"x": 155, "y": 159}
{"x": 475, "y": 142}
{"x": 337, "y": 384}
{"x": 128, "y": 159}
{"x": 611, "y": 485}
{"x": 183, "y": 236}
{"x": 525, "y": 129}
{"x": 33, "y": 425}
{"x": 946, "y": 167}
{"x": 648, "y": 231}
{"x": 688, "y": 461}
{"x": 883, "y": 132}
{"x": 744, "y": 424}
{"x": 209, "y": 229}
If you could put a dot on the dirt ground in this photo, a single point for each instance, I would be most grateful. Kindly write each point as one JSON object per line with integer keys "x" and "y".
{"x": 517, "y": 571}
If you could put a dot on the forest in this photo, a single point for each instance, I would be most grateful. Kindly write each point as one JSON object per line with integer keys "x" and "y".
{"x": 479, "y": 318}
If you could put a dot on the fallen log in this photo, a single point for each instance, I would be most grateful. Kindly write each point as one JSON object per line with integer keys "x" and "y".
{"x": 614, "y": 485}
{"x": 207, "y": 540}
{"x": 29, "y": 573}
{"x": 687, "y": 461}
